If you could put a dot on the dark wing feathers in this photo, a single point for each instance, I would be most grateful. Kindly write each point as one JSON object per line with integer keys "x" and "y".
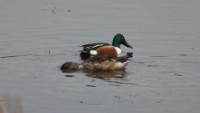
{"x": 94, "y": 46}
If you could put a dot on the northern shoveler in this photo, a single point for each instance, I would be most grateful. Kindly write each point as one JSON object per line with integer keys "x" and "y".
{"x": 104, "y": 48}
{"x": 98, "y": 63}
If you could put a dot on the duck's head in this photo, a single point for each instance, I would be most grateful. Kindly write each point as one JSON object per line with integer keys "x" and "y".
{"x": 119, "y": 39}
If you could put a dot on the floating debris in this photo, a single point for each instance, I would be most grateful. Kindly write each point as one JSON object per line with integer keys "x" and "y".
{"x": 114, "y": 85}
{"x": 82, "y": 102}
{"x": 182, "y": 54}
{"x": 15, "y": 56}
{"x": 178, "y": 74}
{"x": 159, "y": 56}
{"x": 69, "y": 11}
{"x": 69, "y": 75}
{"x": 151, "y": 65}
{"x": 53, "y": 11}
{"x": 91, "y": 85}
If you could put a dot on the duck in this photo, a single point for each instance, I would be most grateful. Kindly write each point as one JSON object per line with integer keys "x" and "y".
{"x": 102, "y": 49}
{"x": 99, "y": 64}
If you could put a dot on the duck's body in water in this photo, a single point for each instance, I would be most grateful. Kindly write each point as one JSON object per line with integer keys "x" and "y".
{"x": 98, "y": 63}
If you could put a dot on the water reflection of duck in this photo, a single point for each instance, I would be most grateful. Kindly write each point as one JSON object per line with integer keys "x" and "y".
{"x": 113, "y": 50}
{"x": 98, "y": 64}
{"x": 106, "y": 75}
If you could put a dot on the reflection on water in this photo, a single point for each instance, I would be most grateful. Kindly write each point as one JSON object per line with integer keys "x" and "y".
{"x": 114, "y": 78}
{"x": 106, "y": 75}
{"x": 100, "y": 74}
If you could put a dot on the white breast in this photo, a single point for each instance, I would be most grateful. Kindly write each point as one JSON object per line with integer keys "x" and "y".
{"x": 118, "y": 50}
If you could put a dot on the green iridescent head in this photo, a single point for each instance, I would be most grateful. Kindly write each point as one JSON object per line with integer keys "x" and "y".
{"x": 118, "y": 40}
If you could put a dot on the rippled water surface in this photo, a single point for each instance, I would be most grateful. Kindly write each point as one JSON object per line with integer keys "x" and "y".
{"x": 38, "y": 36}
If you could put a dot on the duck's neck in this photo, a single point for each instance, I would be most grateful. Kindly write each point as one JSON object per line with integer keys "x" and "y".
{"x": 116, "y": 41}
{"x": 115, "y": 44}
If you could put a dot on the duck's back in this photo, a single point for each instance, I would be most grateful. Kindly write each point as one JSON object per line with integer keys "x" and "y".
{"x": 94, "y": 46}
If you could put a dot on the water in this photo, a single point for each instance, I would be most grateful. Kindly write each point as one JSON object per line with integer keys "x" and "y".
{"x": 41, "y": 35}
